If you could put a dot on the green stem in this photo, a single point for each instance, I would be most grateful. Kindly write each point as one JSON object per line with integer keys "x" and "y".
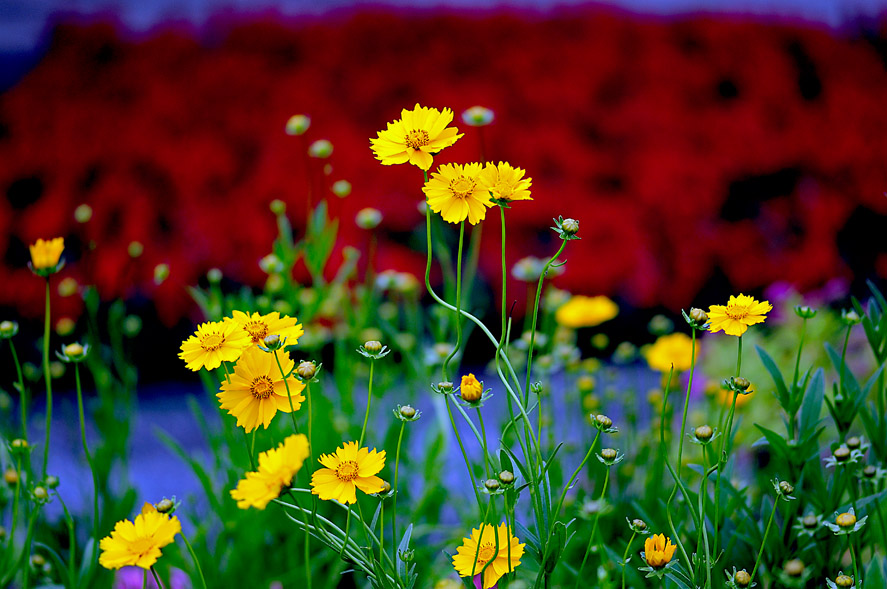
{"x": 560, "y": 501}
{"x": 95, "y": 480}
{"x": 157, "y": 578}
{"x": 347, "y": 530}
{"x": 396, "y": 490}
{"x": 795, "y": 385}
{"x": 483, "y": 526}
{"x": 843, "y": 364}
{"x": 464, "y": 454}
{"x": 483, "y": 431}
{"x": 625, "y": 556}
{"x": 597, "y": 518}
{"x": 856, "y": 578}
{"x": 703, "y": 494}
{"x": 250, "y": 448}
{"x": 722, "y": 459}
{"x": 48, "y": 378}
{"x": 145, "y": 579}
{"x": 22, "y": 392}
{"x": 458, "y": 345}
{"x": 764, "y": 540}
{"x": 196, "y": 562}
{"x": 686, "y": 403}
{"x": 369, "y": 401}
{"x": 289, "y": 395}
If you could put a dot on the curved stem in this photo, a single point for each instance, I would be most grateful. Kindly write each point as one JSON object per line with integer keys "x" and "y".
{"x": 764, "y": 541}
{"x": 196, "y": 562}
{"x": 95, "y": 480}
{"x": 483, "y": 431}
{"x": 48, "y": 378}
{"x": 458, "y": 345}
{"x": 157, "y": 578}
{"x": 533, "y": 324}
{"x": 560, "y": 501}
{"x": 687, "y": 403}
{"x": 366, "y": 416}
{"x": 722, "y": 459}
{"x": 22, "y": 392}
{"x": 625, "y": 556}
{"x": 597, "y": 518}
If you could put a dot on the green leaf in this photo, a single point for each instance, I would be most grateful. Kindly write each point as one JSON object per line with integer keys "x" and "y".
{"x": 777, "y": 443}
{"x": 776, "y": 375}
{"x": 811, "y": 407}
{"x": 403, "y": 546}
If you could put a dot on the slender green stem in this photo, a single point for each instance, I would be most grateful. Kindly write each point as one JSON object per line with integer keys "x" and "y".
{"x": 533, "y": 324}
{"x": 880, "y": 521}
{"x": 560, "y": 501}
{"x": 464, "y": 454}
{"x": 369, "y": 401}
{"x": 483, "y": 431}
{"x": 145, "y": 579}
{"x": 48, "y": 378}
{"x": 22, "y": 392}
{"x": 686, "y": 404}
{"x": 722, "y": 459}
{"x": 157, "y": 578}
{"x": 347, "y": 529}
{"x": 483, "y": 526}
{"x": 795, "y": 385}
{"x": 95, "y": 480}
{"x": 196, "y": 562}
{"x": 703, "y": 530}
{"x": 764, "y": 540}
{"x": 458, "y": 345}
{"x": 844, "y": 364}
{"x": 396, "y": 489}
{"x": 382, "y": 529}
{"x": 249, "y": 448}
{"x": 856, "y": 578}
{"x": 625, "y": 556}
{"x": 597, "y": 518}
{"x": 289, "y": 395}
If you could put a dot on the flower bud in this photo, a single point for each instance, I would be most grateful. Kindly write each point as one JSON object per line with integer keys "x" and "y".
{"x": 214, "y": 275}
{"x": 445, "y": 387}
{"x": 570, "y": 226}
{"x": 477, "y": 116}
{"x": 850, "y": 317}
{"x": 83, "y": 213}
{"x": 165, "y": 506}
{"x": 846, "y": 520}
{"x": 373, "y": 346}
{"x": 741, "y": 383}
{"x": 386, "y": 488}
{"x": 506, "y": 477}
{"x": 277, "y": 206}
{"x": 853, "y": 443}
{"x": 811, "y": 522}
{"x": 321, "y": 149}
{"x": 608, "y": 454}
{"x": 805, "y": 312}
{"x": 841, "y": 453}
{"x": 298, "y": 124}
{"x": 603, "y": 422}
{"x": 742, "y": 578}
{"x": 37, "y": 561}
{"x": 161, "y": 273}
{"x": 8, "y": 329}
{"x": 10, "y": 475}
{"x": 73, "y": 351}
{"x": 135, "y": 249}
{"x": 794, "y": 568}
{"x": 699, "y": 316}
{"x": 40, "y": 493}
{"x": 703, "y": 433}
{"x": 785, "y": 488}
{"x": 638, "y": 525}
{"x": 272, "y": 341}
{"x": 492, "y": 485}
{"x": 306, "y": 369}
{"x": 471, "y": 390}
{"x": 368, "y": 218}
{"x": 51, "y": 481}
{"x": 18, "y": 444}
{"x": 341, "y": 188}
{"x": 870, "y": 471}
{"x": 844, "y": 581}
{"x": 407, "y": 412}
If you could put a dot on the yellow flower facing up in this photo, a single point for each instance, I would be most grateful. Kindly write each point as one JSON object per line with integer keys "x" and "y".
{"x": 505, "y": 182}
{"x": 582, "y": 311}
{"x": 213, "y": 343}
{"x": 739, "y": 312}
{"x": 415, "y": 137}
{"x": 456, "y": 193}
{"x": 349, "y": 469}
{"x": 471, "y": 390}
{"x": 483, "y": 547}
{"x": 658, "y": 551}
{"x": 45, "y": 254}
{"x": 675, "y": 349}
{"x": 138, "y": 543}
{"x": 257, "y": 390}
{"x": 276, "y": 469}
{"x": 258, "y": 326}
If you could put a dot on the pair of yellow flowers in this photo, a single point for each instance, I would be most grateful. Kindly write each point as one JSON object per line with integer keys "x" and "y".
{"x": 458, "y": 192}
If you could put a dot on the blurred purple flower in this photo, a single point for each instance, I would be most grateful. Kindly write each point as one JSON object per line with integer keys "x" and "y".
{"x": 131, "y": 578}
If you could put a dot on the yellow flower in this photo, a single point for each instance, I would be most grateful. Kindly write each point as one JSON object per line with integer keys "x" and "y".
{"x": 415, "y": 137}
{"x": 455, "y": 192}
{"x": 464, "y": 560}
{"x": 348, "y": 469}
{"x": 138, "y": 543}
{"x": 658, "y": 551}
{"x": 505, "y": 182}
{"x": 277, "y": 467}
{"x": 257, "y": 391}
{"x": 582, "y": 311}
{"x": 258, "y": 326}
{"x": 45, "y": 254}
{"x": 674, "y": 349}
{"x": 471, "y": 390}
{"x": 737, "y": 315}
{"x": 213, "y": 343}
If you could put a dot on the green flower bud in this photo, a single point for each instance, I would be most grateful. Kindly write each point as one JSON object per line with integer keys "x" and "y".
{"x": 298, "y": 124}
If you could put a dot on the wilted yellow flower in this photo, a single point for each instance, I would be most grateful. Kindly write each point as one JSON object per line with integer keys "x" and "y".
{"x": 276, "y": 469}
{"x": 45, "y": 254}
{"x": 658, "y": 550}
{"x": 673, "y": 349}
{"x": 415, "y": 137}
{"x": 350, "y": 468}
{"x": 456, "y": 193}
{"x": 259, "y": 326}
{"x": 737, "y": 315}
{"x": 480, "y": 548}
{"x": 582, "y": 311}
{"x": 505, "y": 182}
{"x": 257, "y": 391}
{"x": 138, "y": 543}
{"x": 471, "y": 390}
{"x": 213, "y": 343}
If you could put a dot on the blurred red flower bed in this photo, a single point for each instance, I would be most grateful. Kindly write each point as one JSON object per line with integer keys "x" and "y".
{"x": 686, "y": 149}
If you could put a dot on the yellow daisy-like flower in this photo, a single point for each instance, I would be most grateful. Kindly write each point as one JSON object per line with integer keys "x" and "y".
{"x": 45, "y": 254}
{"x": 456, "y": 193}
{"x": 658, "y": 551}
{"x": 737, "y": 315}
{"x": 257, "y": 390}
{"x": 505, "y": 182}
{"x": 582, "y": 311}
{"x": 350, "y": 468}
{"x": 138, "y": 543}
{"x": 213, "y": 343}
{"x": 482, "y": 547}
{"x": 259, "y": 326}
{"x": 471, "y": 390}
{"x": 277, "y": 467}
{"x": 675, "y": 350}
{"x": 415, "y": 137}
